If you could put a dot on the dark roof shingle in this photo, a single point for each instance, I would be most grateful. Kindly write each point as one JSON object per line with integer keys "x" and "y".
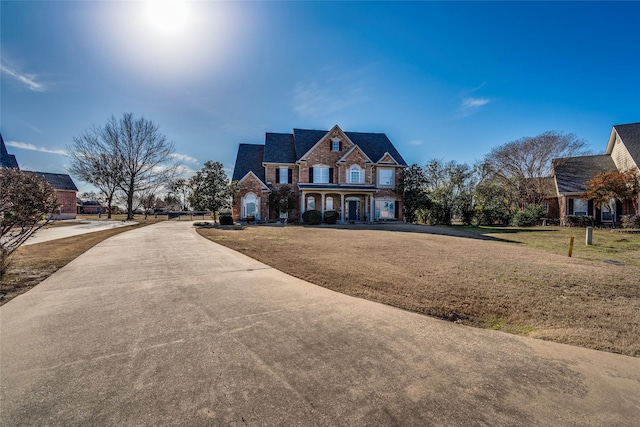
{"x": 279, "y": 148}
{"x": 249, "y": 159}
{"x": 572, "y": 172}
{"x": 7, "y": 160}
{"x": 630, "y": 135}
{"x": 59, "y": 181}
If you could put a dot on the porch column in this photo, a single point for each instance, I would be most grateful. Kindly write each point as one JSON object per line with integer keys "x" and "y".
{"x": 302, "y": 204}
{"x": 372, "y": 209}
{"x": 322, "y": 205}
{"x": 341, "y": 207}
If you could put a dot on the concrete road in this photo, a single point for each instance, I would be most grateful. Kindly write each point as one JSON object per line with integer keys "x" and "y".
{"x": 158, "y": 326}
{"x": 78, "y": 227}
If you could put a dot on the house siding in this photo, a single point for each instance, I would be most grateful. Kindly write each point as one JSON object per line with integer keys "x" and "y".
{"x": 621, "y": 156}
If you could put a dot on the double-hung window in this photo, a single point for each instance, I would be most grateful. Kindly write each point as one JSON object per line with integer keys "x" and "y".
{"x": 385, "y": 177}
{"x": 580, "y": 207}
{"x": 321, "y": 175}
{"x": 283, "y": 176}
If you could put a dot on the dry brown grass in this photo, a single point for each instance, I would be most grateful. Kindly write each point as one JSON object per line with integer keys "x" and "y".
{"x": 486, "y": 283}
{"x": 33, "y": 263}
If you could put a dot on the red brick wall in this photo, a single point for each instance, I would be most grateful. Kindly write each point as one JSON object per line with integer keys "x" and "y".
{"x": 67, "y": 201}
{"x": 250, "y": 185}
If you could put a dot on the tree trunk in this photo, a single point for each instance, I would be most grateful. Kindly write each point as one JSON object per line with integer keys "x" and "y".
{"x": 130, "y": 200}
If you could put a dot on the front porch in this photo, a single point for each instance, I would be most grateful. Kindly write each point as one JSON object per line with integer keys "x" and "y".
{"x": 353, "y": 204}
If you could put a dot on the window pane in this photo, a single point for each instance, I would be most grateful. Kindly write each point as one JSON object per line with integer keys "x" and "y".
{"x": 284, "y": 176}
{"x": 329, "y": 203}
{"x": 321, "y": 175}
{"x": 385, "y": 177}
{"x": 251, "y": 209}
{"x": 311, "y": 203}
{"x": 580, "y": 207}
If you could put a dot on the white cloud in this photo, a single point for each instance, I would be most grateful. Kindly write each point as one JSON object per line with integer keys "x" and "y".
{"x": 416, "y": 142}
{"x": 474, "y": 102}
{"x": 185, "y": 158}
{"x": 31, "y": 147}
{"x": 29, "y": 80}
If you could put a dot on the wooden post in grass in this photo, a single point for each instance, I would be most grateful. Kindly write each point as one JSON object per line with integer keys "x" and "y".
{"x": 589, "y": 237}
{"x": 570, "y": 246}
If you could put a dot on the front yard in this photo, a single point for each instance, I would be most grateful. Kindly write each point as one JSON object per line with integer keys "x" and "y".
{"x": 515, "y": 280}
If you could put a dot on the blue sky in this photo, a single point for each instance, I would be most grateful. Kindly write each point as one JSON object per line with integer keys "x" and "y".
{"x": 445, "y": 80}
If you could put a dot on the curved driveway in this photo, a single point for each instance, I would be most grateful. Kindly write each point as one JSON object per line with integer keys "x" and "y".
{"x": 158, "y": 326}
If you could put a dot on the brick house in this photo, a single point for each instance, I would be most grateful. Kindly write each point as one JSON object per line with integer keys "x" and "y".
{"x": 353, "y": 173}
{"x": 64, "y": 188}
{"x": 570, "y": 175}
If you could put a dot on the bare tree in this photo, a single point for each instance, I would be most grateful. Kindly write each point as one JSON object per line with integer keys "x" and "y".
{"x": 524, "y": 164}
{"x": 128, "y": 152}
{"x": 94, "y": 160}
{"x": 25, "y": 204}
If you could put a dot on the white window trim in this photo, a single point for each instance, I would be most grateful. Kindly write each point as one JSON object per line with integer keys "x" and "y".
{"x": 311, "y": 208}
{"x": 316, "y": 175}
{"x": 378, "y": 209}
{"x": 392, "y": 180}
{"x": 335, "y": 145}
{"x": 251, "y": 198}
{"x": 282, "y": 170}
{"x": 326, "y": 203}
{"x": 360, "y": 175}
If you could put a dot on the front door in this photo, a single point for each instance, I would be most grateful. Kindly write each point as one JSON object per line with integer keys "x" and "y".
{"x": 353, "y": 210}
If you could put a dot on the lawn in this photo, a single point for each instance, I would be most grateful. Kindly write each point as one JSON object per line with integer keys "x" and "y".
{"x": 515, "y": 280}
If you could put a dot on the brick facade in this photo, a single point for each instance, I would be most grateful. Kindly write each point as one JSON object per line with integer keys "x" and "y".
{"x": 334, "y": 153}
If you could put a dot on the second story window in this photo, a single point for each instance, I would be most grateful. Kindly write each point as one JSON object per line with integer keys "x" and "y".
{"x": 336, "y": 145}
{"x": 321, "y": 175}
{"x": 283, "y": 176}
{"x": 355, "y": 174}
{"x": 385, "y": 177}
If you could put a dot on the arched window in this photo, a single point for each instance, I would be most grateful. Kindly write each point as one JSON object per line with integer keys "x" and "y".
{"x": 328, "y": 203}
{"x": 355, "y": 174}
{"x": 311, "y": 203}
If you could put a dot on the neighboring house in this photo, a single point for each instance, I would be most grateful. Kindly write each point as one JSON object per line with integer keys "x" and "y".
{"x": 353, "y": 173}
{"x": 63, "y": 186}
{"x": 91, "y": 207}
{"x": 570, "y": 175}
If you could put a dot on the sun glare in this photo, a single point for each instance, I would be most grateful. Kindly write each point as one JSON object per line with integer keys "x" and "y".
{"x": 167, "y": 17}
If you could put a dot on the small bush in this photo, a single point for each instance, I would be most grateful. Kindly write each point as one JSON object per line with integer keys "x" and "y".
{"x": 331, "y": 217}
{"x": 578, "y": 221}
{"x": 201, "y": 224}
{"x": 226, "y": 220}
{"x": 529, "y": 217}
{"x": 630, "y": 221}
{"x": 312, "y": 217}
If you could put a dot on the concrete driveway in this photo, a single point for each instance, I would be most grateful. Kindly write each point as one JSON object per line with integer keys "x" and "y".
{"x": 158, "y": 326}
{"x": 76, "y": 228}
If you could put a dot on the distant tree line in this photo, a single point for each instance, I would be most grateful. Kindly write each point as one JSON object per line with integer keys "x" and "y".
{"x": 508, "y": 181}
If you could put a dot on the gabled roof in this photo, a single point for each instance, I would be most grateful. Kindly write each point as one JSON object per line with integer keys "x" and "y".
{"x": 249, "y": 159}
{"x": 305, "y": 139}
{"x": 572, "y": 172}
{"x": 59, "y": 181}
{"x": 351, "y": 150}
{"x": 374, "y": 145}
{"x": 7, "y": 160}
{"x": 279, "y": 148}
{"x": 630, "y": 136}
